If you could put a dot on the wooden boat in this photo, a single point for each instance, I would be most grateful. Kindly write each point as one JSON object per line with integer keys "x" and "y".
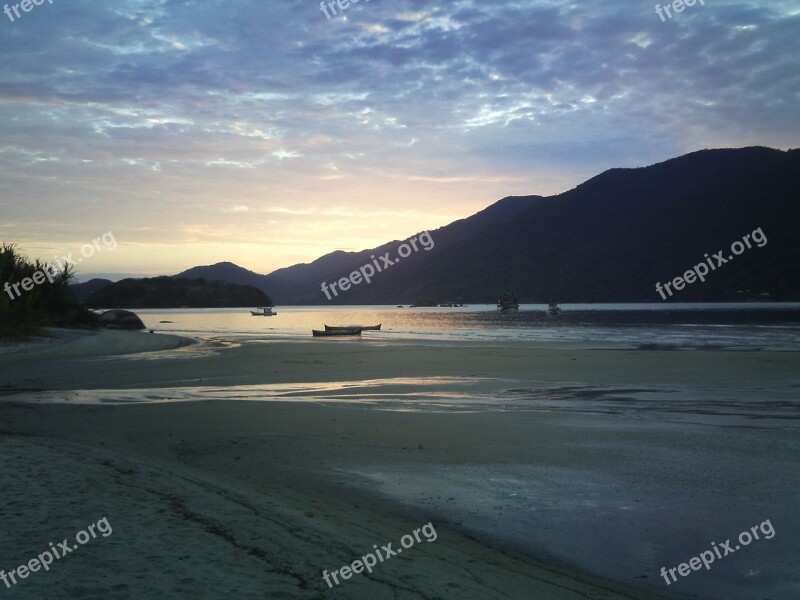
{"x": 350, "y": 327}
{"x": 318, "y": 333}
{"x": 263, "y": 311}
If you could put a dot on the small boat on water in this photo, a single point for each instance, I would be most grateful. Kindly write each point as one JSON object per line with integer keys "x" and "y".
{"x": 507, "y": 303}
{"x": 350, "y": 327}
{"x": 263, "y": 311}
{"x": 553, "y": 309}
{"x": 337, "y": 332}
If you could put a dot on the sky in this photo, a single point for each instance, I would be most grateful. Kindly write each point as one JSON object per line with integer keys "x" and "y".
{"x": 267, "y": 134}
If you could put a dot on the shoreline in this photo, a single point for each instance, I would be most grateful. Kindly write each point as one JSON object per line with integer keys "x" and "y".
{"x": 141, "y": 360}
{"x": 86, "y": 343}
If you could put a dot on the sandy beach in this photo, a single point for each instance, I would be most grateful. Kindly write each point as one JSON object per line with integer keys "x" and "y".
{"x": 233, "y": 468}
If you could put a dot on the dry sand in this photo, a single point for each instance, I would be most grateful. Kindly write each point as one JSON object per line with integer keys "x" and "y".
{"x": 531, "y": 482}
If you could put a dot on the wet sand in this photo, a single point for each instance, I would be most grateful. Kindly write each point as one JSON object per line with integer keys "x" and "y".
{"x": 543, "y": 477}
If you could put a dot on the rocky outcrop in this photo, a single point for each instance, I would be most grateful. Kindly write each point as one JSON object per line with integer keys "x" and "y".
{"x": 121, "y": 319}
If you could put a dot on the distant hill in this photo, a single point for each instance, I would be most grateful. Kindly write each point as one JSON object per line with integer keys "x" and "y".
{"x": 227, "y": 272}
{"x": 82, "y": 291}
{"x": 171, "y": 292}
{"x": 609, "y": 239}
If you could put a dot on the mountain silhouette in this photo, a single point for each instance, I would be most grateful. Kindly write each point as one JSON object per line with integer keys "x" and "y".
{"x": 610, "y": 239}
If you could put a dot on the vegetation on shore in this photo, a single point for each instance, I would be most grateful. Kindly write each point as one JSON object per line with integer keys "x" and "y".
{"x": 49, "y": 302}
{"x": 171, "y": 292}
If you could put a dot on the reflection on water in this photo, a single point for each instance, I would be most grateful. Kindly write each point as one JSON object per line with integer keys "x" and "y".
{"x": 773, "y": 406}
{"x": 679, "y": 326}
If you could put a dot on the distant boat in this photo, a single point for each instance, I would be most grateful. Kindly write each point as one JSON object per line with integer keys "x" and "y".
{"x": 318, "y": 333}
{"x": 507, "y": 303}
{"x": 263, "y": 311}
{"x": 553, "y": 309}
{"x": 351, "y": 327}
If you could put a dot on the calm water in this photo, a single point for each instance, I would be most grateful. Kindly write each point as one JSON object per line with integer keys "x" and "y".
{"x": 740, "y": 326}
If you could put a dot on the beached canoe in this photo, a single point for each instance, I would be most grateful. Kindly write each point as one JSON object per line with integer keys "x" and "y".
{"x": 351, "y": 327}
{"x": 318, "y": 333}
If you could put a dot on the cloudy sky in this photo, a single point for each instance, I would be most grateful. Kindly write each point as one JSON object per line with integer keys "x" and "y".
{"x": 264, "y": 133}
